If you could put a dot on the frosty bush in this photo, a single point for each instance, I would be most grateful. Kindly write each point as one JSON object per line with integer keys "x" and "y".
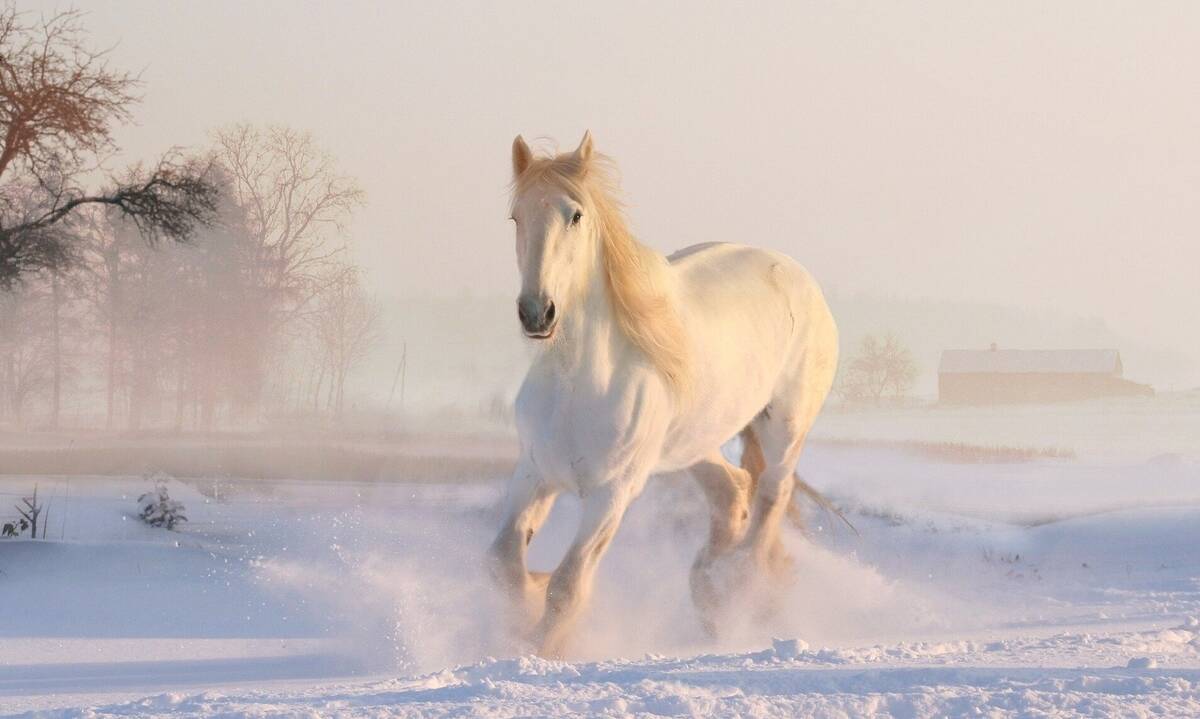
{"x": 13, "y": 529}
{"x": 156, "y": 507}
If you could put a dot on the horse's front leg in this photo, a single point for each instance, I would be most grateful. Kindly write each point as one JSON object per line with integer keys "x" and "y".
{"x": 529, "y": 503}
{"x": 571, "y": 583}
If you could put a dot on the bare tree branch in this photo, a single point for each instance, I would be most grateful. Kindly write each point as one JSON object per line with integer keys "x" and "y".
{"x": 59, "y": 99}
{"x": 167, "y": 202}
{"x": 59, "y": 103}
{"x": 292, "y": 193}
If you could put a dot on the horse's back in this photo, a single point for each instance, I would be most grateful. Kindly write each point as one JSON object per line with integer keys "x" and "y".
{"x": 720, "y": 276}
{"x": 681, "y": 255}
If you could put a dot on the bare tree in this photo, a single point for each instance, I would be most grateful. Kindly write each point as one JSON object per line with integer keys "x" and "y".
{"x": 104, "y": 267}
{"x": 59, "y": 103}
{"x": 30, "y": 512}
{"x": 293, "y": 198}
{"x": 216, "y": 336}
{"x": 346, "y": 323}
{"x": 25, "y": 349}
{"x": 180, "y": 323}
{"x": 58, "y": 297}
{"x": 881, "y": 366}
{"x": 295, "y": 205}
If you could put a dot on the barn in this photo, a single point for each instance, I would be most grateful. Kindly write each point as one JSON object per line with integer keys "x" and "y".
{"x": 999, "y": 376}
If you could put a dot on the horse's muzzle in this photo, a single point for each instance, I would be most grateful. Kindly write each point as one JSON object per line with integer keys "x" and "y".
{"x": 537, "y": 315}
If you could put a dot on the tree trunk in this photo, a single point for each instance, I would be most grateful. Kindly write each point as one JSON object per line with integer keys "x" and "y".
{"x": 317, "y": 390}
{"x": 18, "y": 392}
{"x": 137, "y": 388}
{"x": 6, "y": 386}
{"x": 56, "y": 339}
{"x": 135, "y": 405}
{"x": 341, "y": 393}
{"x": 179, "y": 391}
{"x": 207, "y": 409}
{"x": 329, "y": 393}
{"x": 111, "y": 380}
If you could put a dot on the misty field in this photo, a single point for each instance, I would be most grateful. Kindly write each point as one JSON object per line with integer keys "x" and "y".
{"x": 1026, "y": 585}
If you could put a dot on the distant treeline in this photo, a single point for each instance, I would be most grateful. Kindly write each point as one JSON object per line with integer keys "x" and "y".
{"x": 259, "y": 312}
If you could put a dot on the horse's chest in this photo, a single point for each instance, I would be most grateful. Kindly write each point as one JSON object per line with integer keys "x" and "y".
{"x": 579, "y": 436}
{"x": 569, "y": 441}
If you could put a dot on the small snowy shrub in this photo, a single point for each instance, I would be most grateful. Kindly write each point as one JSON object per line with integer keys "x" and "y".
{"x": 14, "y": 529}
{"x": 156, "y": 507}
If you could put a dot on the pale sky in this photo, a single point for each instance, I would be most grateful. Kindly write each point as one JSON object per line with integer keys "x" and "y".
{"x": 1036, "y": 154}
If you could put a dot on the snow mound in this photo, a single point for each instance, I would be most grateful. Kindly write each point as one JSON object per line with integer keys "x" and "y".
{"x": 759, "y": 685}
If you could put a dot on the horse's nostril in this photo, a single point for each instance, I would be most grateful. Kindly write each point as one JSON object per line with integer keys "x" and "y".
{"x": 522, "y": 314}
{"x": 550, "y": 313}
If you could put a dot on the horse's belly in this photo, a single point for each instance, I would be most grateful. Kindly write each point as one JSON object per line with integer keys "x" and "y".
{"x": 718, "y": 414}
{"x": 734, "y": 383}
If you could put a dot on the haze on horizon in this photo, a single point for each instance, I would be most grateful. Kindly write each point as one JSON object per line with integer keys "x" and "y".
{"x": 1017, "y": 154}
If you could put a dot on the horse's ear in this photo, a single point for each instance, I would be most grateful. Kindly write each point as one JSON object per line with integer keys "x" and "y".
{"x": 521, "y": 156}
{"x": 583, "y": 153}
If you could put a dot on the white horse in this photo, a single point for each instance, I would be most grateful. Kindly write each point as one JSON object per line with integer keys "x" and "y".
{"x": 649, "y": 364}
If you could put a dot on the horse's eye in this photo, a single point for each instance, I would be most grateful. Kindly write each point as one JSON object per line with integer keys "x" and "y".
{"x": 576, "y": 218}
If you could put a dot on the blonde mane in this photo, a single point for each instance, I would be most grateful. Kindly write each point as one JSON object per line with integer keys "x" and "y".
{"x": 637, "y": 279}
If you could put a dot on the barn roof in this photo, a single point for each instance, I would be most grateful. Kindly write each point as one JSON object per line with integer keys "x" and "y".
{"x": 1028, "y": 361}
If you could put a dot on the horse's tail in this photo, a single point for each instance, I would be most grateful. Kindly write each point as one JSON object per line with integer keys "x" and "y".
{"x": 754, "y": 462}
{"x": 818, "y": 499}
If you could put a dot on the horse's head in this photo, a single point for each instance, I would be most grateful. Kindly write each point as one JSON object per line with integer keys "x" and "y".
{"x": 556, "y": 241}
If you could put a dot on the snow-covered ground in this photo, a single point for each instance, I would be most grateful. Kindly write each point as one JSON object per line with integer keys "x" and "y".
{"x": 1113, "y": 429}
{"x": 1045, "y": 588}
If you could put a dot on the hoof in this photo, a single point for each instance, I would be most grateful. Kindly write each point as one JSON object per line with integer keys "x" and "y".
{"x": 718, "y": 584}
{"x": 533, "y": 600}
{"x": 740, "y": 580}
{"x": 523, "y": 610}
{"x": 779, "y": 564}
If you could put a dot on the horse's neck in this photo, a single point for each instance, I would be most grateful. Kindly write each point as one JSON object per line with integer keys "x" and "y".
{"x": 591, "y": 344}
{"x": 587, "y": 330}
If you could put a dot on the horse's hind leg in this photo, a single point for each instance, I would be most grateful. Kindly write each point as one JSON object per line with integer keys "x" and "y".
{"x": 728, "y": 489}
{"x": 780, "y": 429}
{"x": 755, "y": 462}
